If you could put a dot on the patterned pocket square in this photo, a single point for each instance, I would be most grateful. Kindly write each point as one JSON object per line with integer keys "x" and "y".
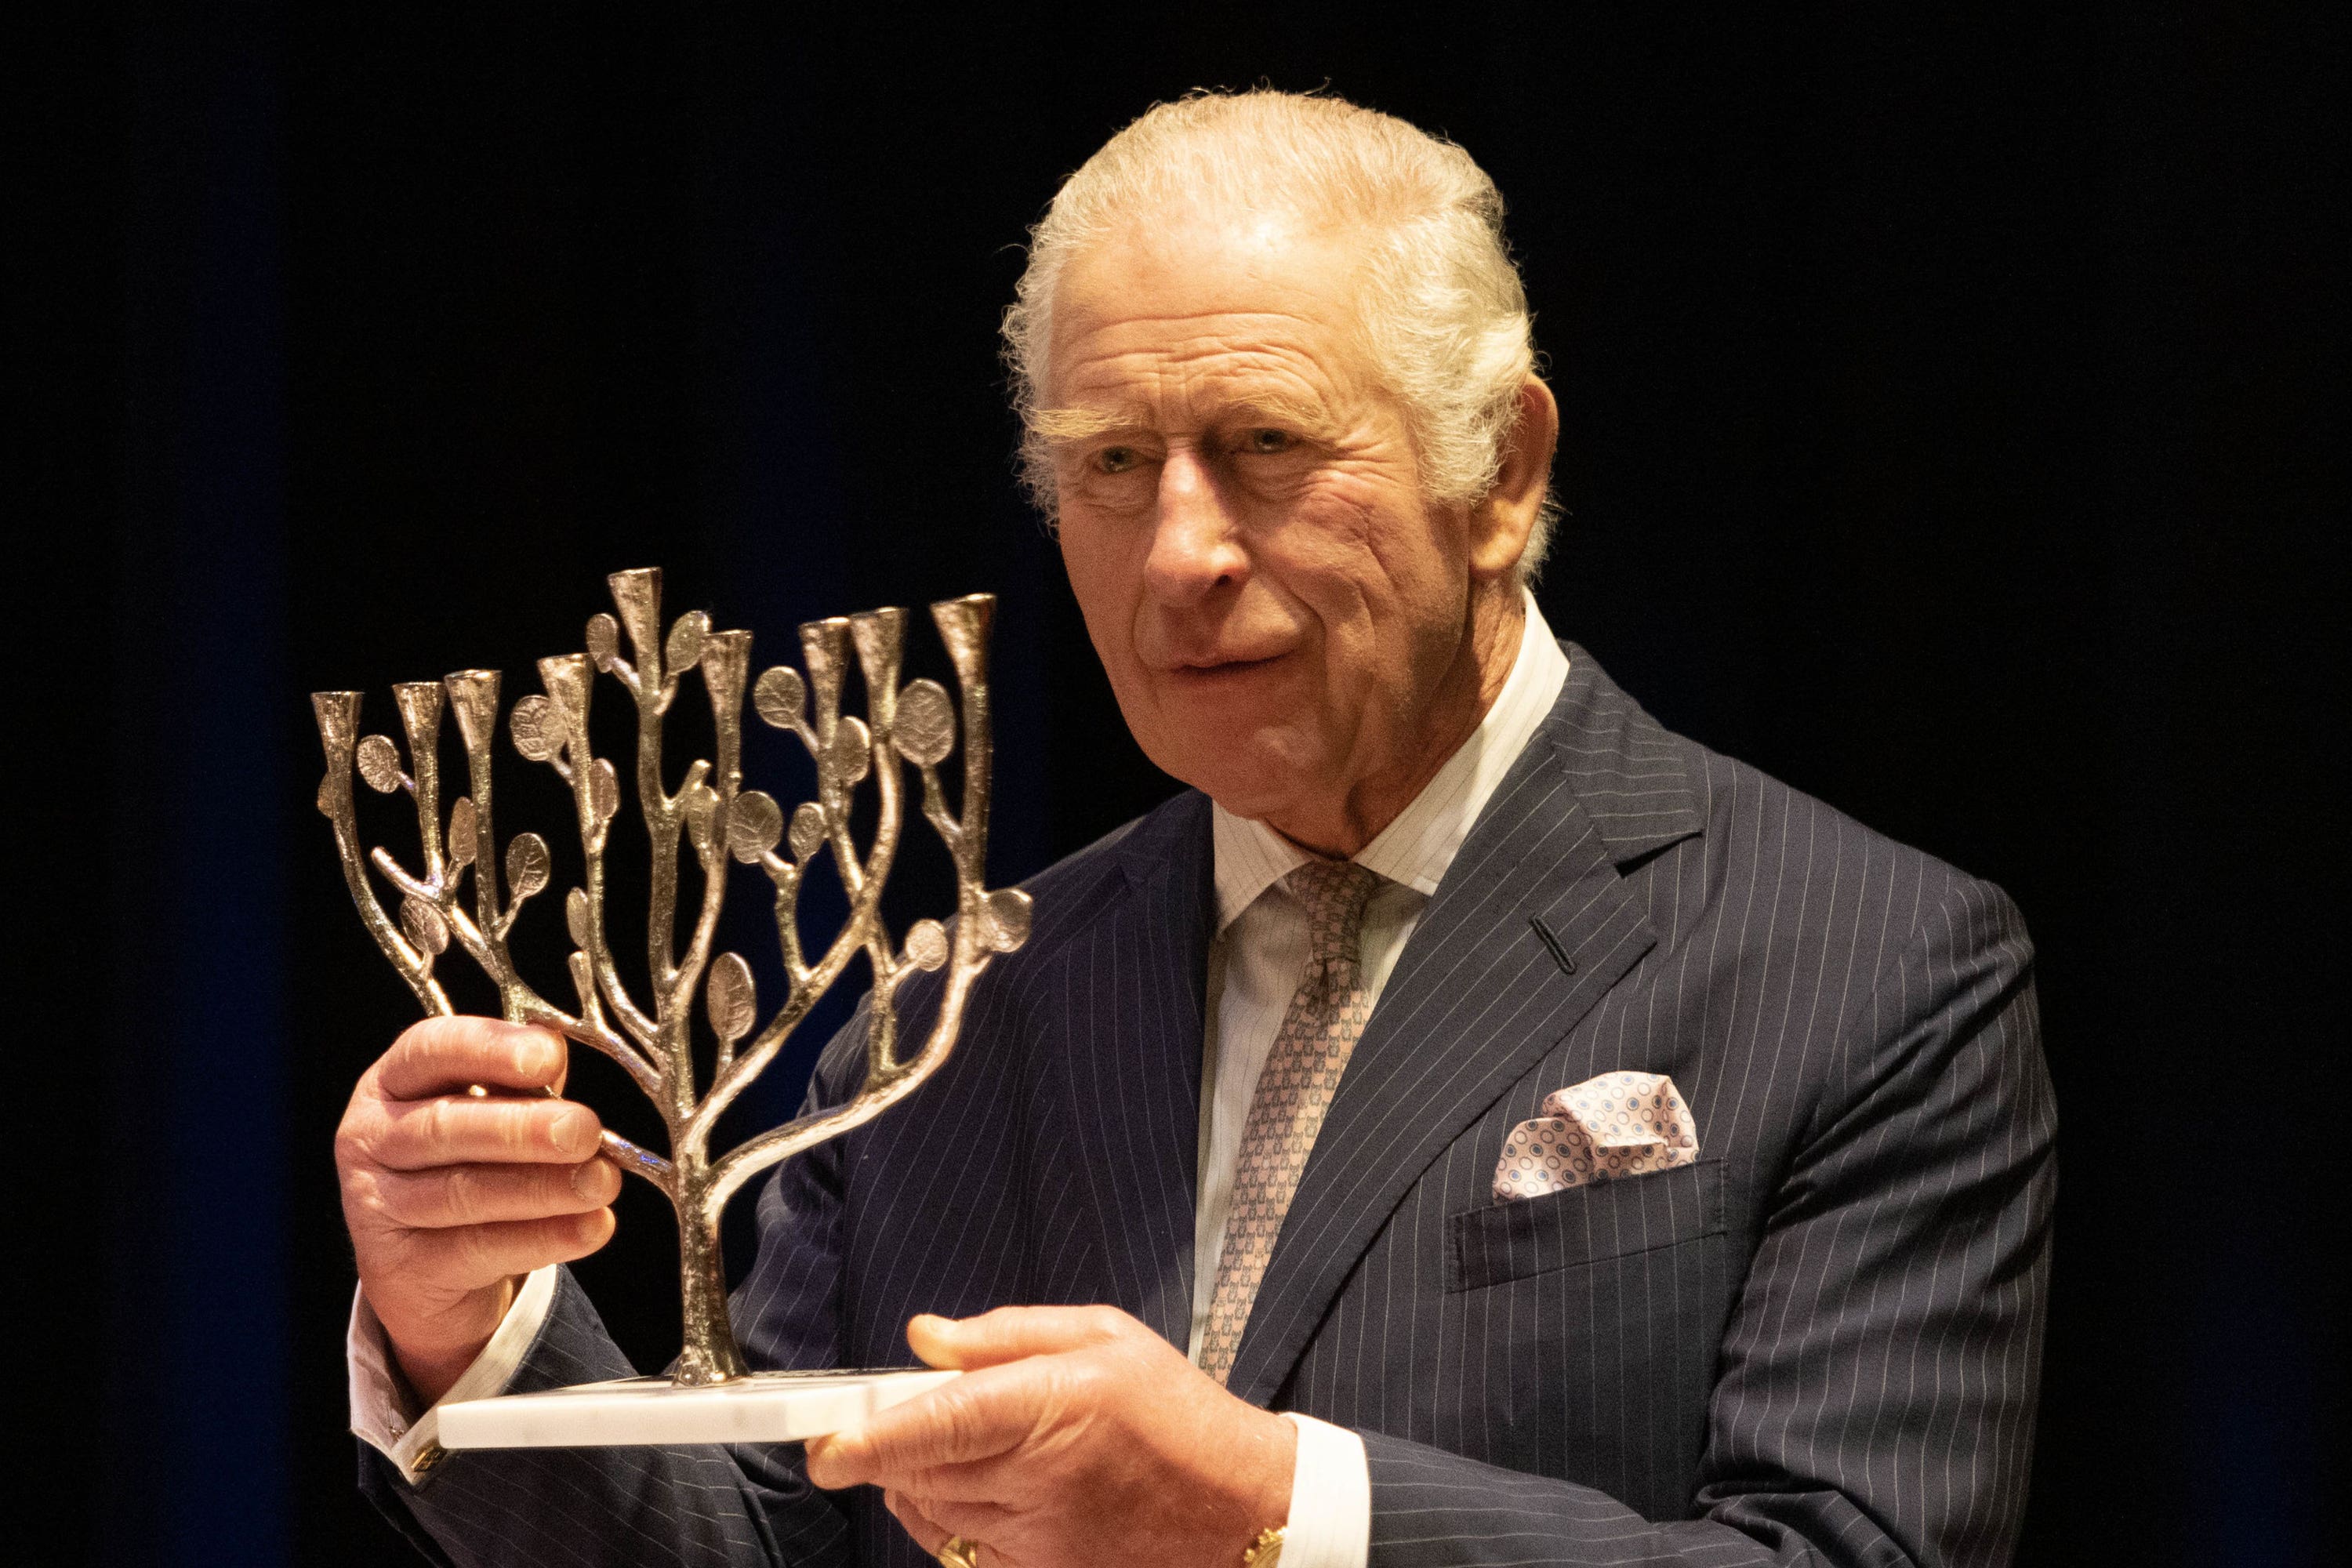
{"x": 1619, "y": 1125}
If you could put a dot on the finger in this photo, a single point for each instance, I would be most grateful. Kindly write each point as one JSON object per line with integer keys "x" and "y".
{"x": 976, "y": 1417}
{"x": 1010, "y": 1333}
{"x": 477, "y": 1194}
{"x": 443, "y": 1056}
{"x": 948, "y": 1492}
{"x": 455, "y": 1129}
{"x": 932, "y": 1522}
{"x": 467, "y": 1258}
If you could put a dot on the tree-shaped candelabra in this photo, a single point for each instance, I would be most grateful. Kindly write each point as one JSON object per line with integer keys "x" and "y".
{"x": 714, "y": 817}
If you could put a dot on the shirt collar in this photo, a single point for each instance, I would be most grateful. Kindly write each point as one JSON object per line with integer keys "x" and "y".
{"x": 1416, "y": 848}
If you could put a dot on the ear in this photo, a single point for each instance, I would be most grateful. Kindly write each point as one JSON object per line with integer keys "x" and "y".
{"x": 1502, "y": 522}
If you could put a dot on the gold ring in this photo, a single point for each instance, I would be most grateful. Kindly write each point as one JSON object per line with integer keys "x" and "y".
{"x": 959, "y": 1552}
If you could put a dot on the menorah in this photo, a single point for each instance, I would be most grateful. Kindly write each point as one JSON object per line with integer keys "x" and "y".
{"x": 652, "y": 1039}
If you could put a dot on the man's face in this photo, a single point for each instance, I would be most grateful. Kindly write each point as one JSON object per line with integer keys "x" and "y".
{"x": 1287, "y": 622}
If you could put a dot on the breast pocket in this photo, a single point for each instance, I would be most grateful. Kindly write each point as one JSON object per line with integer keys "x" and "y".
{"x": 1584, "y": 1225}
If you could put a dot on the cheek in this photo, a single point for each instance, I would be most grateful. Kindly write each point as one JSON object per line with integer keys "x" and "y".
{"x": 1361, "y": 549}
{"x": 1106, "y": 582}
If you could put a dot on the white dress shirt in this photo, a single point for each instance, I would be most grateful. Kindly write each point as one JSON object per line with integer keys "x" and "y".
{"x": 1255, "y": 965}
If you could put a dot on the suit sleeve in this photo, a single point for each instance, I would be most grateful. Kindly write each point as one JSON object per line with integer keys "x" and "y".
{"x": 1874, "y": 1402}
{"x": 679, "y": 1507}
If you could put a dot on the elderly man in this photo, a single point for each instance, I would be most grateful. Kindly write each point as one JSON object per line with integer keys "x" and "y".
{"x": 1470, "y": 1125}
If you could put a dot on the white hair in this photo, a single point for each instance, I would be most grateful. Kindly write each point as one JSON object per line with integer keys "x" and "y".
{"x": 1442, "y": 311}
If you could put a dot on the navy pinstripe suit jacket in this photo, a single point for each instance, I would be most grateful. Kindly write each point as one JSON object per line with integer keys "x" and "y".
{"x": 1818, "y": 1344}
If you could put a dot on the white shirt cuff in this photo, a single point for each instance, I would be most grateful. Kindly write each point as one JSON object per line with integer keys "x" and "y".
{"x": 1331, "y": 1523}
{"x": 380, "y": 1398}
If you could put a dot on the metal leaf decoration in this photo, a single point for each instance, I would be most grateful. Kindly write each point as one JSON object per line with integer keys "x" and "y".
{"x": 808, "y": 829}
{"x": 461, "y": 832}
{"x": 604, "y": 791}
{"x": 684, "y": 648}
{"x": 927, "y": 944}
{"x": 379, "y": 762}
{"x": 853, "y": 750}
{"x": 603, "y": 640}
{"x": 528, "y": 864}
{"x": 780, "y": 696}
{"x": 1007, "y": 910}
{"x": 538, "y": 727}
{"x": 575, "y": 917}
{"x": 754, "y": 823}
{"x": 925, "y": 731}
{"x": 424, "y": 925}
{"x": 730, "y": 997}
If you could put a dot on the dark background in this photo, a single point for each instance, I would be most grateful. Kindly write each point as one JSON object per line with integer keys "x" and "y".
{"x": 1943, "y": 432}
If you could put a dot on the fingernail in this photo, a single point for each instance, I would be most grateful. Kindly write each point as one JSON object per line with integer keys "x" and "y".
{"x": 565, "y": 1129}
{"x": 589, "y": 1181}
{"x": 533, "y": 1057}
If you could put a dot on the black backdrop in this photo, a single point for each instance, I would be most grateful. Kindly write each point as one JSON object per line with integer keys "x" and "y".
{"x": 1941, "y": 433}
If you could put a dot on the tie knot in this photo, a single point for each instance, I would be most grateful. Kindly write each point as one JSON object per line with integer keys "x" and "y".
{"x": 1335, "y": 893}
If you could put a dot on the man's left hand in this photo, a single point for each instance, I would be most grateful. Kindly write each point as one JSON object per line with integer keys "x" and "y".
{"x": 1077, "y": 1437}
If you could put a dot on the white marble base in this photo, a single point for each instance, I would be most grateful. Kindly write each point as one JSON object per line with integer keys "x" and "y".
{"x": 766, "y": 1408}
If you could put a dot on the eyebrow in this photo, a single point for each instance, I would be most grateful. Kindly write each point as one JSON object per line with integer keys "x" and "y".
{"x": 1068, "y": 425}
{"x": 1080, "y": 424}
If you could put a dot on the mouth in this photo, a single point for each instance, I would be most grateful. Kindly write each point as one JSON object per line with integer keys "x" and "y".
{"x": 1215, "y": 671}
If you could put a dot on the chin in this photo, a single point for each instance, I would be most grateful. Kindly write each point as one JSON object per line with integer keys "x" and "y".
{"x": 1249, "y": 773}
{"x": 1237, "y": 741}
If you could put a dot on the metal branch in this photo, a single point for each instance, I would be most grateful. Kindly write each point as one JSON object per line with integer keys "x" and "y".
{"x": 337, "y": 715}
{"x": 641, "y": 1162}
{"x": 474, "y": 700}
{"x": 981, "y": 928}
{"x": 936, "y": 812}
{"x": 590, "y": 1029}
{"x": 753, "y": 1059}
{"x": 771, "y": 1148}
{"x": 595, "y": 796}
{"x": 725, "y": 659}
{"x": 420, "y": 718}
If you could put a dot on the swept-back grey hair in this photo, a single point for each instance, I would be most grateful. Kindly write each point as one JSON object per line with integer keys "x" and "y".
{"x": 1443, "y": 311}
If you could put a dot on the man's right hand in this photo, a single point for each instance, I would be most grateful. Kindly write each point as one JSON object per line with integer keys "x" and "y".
{"x": 452, "y": 1198}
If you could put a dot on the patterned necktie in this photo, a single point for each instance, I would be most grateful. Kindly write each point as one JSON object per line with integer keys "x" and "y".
{"x": 1294, "y": 1090}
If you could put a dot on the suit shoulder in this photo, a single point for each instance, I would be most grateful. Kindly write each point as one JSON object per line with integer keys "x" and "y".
{"x": 1800, "y": 886}
{"x": 1757, "y": 824}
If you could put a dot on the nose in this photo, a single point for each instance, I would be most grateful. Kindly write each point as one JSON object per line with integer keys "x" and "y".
{"x": 1196, "y": 546}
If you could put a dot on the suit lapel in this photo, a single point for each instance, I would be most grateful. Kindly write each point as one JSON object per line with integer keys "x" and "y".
{"x": 1477, "y": 995}
{"x": 1127, "y": 1069}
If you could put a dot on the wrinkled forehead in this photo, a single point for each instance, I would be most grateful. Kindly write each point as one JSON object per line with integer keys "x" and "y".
{"x": 1230, "y": 287}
